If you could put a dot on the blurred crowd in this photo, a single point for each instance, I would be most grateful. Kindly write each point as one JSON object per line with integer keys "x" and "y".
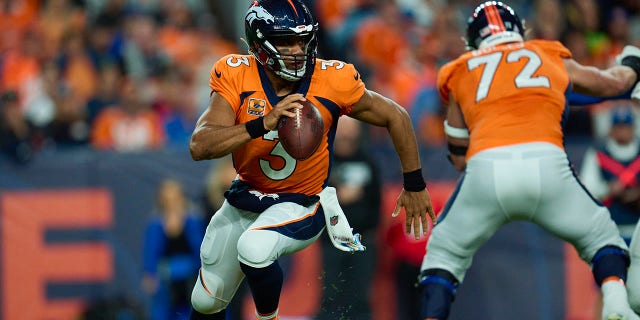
{"x": 399, "y": 46}
{"x": 129, "y": 75}
{"x": 118, "y": 75}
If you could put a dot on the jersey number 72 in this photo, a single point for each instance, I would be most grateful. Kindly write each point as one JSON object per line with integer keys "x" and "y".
{"x": 524, "y": 78}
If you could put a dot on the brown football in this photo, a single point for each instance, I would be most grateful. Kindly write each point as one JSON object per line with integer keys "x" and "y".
{"x": 301, "y": 135}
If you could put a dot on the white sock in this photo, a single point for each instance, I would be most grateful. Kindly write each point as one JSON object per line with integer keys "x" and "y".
{"x": 614, "y": 300}
{"x": 614, "y": 290}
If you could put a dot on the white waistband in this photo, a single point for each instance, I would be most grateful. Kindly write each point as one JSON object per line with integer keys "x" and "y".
{"x": 530, "y": 150}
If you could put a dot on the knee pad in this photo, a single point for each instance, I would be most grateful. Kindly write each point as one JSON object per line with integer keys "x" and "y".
{"x": 437, "y": 292}
{"x": 206, "y": 301}
{"x": 256, "y": 248}
{"x": 610, "y": 261}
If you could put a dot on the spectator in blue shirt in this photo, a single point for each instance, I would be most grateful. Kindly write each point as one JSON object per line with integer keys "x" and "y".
{"x": 171, "y": 253}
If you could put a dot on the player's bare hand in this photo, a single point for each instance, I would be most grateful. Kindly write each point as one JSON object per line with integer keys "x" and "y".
{"x": 417, "y": 206}
{"x": 283, "y": 109}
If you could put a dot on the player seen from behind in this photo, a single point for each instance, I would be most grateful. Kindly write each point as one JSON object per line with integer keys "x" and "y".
{"x": 506, "y": 135}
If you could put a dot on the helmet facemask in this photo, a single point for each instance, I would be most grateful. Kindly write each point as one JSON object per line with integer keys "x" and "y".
{"x": 273, "y": 24}
{"x": 277, "y": 61}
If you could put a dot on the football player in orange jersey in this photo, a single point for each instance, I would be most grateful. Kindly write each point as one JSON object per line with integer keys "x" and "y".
{"x": 278, "y": 205}
{"x": 507, "y": 102}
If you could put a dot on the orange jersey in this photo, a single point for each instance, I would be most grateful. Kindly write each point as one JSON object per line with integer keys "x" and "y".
{"x": 334, "y": 87}
{"x": 509, "y": 94}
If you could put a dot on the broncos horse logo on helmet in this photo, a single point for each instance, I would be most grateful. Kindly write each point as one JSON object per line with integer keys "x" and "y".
{"x": 268, "y": 20}
{"x": 492, "y": 23}
{"x": 257, "y": 12}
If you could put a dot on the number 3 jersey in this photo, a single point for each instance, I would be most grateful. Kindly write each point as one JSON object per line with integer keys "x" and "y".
{"x": 333, "y": 87}
{"x": 509, "y": 94}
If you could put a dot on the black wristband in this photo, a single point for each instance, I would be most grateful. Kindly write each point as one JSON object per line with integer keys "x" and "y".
{"x": 255, "y": 127}
{"x": 632, "y": 62}
{"x": 413, "y": 181}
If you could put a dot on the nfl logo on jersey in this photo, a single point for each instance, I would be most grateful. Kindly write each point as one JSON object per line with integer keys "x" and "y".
{"x": 333, "y": 220}
{"x": 256, "y": 107}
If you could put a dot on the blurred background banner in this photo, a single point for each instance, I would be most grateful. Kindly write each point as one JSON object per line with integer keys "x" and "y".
{"x": 71, "y": 228}
{"x": 71, "y": 235}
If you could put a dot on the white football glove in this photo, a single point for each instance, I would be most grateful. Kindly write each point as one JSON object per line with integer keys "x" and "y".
{"x": 338, "y": 228}
{"x": 628, "y": 50}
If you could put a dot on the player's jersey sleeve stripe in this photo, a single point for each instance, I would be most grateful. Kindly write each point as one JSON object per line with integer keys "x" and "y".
{"x": 332, "y": 107}
{"x": 244, "y": 95}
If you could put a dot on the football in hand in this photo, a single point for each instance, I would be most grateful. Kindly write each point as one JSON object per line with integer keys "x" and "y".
{"x": 301, "y": 135}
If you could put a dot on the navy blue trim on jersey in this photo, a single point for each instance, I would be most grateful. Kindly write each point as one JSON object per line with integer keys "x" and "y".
{"x": 244, "y": 95}
{"x": 303, "y": 86}
{"x": 304, "y": 229}
{"x": 334, "y": 109}
{"x": 240, "y": 196}
{"x": 267, "y": 87}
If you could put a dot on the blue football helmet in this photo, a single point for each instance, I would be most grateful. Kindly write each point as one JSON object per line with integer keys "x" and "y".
{"x": 269, "y": 22}
{"x": 492, "y": 23}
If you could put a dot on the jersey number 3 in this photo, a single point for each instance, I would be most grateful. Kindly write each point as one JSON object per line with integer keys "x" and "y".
{"x": 278, "y": 150}
{"x": 524, "y": 79}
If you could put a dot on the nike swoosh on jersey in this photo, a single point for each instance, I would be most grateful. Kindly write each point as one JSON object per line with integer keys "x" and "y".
{"x": 218, "y": 74}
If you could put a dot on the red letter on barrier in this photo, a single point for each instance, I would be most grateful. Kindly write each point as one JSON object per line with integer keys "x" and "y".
{"x": 29, "y": 263}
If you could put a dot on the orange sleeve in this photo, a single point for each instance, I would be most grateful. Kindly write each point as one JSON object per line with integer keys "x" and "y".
{"x": 345, "y": 84}
{"x": 223, "y": 81}
{"x": 444, "y": 75}
{"x": 553, "y": 47}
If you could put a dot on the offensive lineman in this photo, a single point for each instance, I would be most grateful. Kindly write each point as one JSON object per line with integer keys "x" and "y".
{"x": 506, "y": 135}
